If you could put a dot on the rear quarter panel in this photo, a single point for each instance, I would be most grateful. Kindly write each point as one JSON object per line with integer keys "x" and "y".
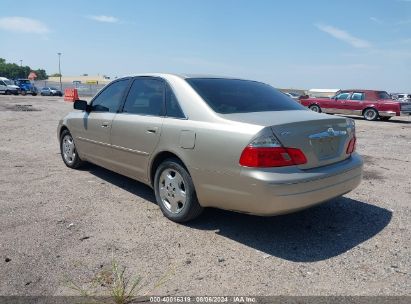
{"x": 213, "y": 163}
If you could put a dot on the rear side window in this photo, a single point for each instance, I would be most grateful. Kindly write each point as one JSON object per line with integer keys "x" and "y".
{"x": 383, "y": 95}
{"x": 357, "y": 96}
{"x": 109, "y": 99}
{"x": 172, "y": 107}
{"x": 146, "y": 97}
{"x": 227, "y": 96}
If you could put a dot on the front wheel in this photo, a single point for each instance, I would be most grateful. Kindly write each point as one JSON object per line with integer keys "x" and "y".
{"x": 8, "y": 92}
{"x": 315, "y": 108}
{"x": 34, "y": 94}
{"x": 371, "y": 114}
{"x": 175, "y": 192}
{"x": 24, "y": 93}
{"x": 68, "y": 150}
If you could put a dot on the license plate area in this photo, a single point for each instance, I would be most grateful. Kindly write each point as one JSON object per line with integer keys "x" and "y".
{"x": 325, "y": 148}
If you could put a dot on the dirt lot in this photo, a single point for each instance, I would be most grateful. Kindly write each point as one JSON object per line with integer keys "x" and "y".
{"x": 58, "y": 224}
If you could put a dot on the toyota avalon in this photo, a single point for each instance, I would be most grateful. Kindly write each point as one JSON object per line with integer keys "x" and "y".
{"x": 202, "y": 141}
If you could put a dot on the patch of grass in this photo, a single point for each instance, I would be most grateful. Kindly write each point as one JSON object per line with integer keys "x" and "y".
{"x": 122, "y": 289}
{"x": 119, "y": 286}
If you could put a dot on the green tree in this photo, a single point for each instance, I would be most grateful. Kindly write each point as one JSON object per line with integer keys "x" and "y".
{"x": 12, "y": 71}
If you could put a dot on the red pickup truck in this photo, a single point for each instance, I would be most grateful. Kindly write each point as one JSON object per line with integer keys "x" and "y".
{"x": 368, "y": 103}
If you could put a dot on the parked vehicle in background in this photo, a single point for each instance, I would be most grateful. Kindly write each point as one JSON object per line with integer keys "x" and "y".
{"x": 402, "y": 97}
{"x": 318, "y": 93}
{"x": 213, "y": 142}
{"x": 293, "y": 95}
{"x": 26, "y": 87}
{"x": 8, "y": 87}
{"x": 370, "y": 104}
{"x": 50, "y": 91}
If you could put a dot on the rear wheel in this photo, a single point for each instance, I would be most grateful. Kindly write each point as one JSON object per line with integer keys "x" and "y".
{"x": 68, "y": 150}
{"x": 24, "y": 93}
{"x": 315, "y": 108}
{"x": 370, "y": 114}
{"x": 385, "y": 118}
{"x": 175, "y": 192}
{"x": 34, "y": 94}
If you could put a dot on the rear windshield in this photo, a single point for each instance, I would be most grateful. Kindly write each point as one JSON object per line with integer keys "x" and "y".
{"x": 227, "y": 96}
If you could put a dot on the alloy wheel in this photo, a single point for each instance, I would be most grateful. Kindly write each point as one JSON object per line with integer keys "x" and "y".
{"x": 172, "y": 190}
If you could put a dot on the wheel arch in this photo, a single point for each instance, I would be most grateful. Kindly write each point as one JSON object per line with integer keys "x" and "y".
{"x": 158, "y": 159}
{"x": 315, "y": 104}
{"x": 62, "y": 128}
{"x": 369, "y": 107}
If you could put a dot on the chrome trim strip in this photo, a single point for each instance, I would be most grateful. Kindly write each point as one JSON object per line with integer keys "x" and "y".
{"x": 113, "y": 146}
{"x": 329, "y": 133}
{"x": 130, "y": 150}
{"x": 93, "y": 141}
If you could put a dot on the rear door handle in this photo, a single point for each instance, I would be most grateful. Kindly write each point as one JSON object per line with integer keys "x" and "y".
{"x": 152, "y": 130}
{"x": 105, "y": 124}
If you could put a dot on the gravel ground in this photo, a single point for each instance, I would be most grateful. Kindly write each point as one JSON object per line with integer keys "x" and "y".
{"x": 58, "y": 224}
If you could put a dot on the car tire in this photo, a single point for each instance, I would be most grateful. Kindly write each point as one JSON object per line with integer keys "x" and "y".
{"x": 175, "y": 192}
{"x": 315, "y": 108}
{"x": 23, "y": 93}
{"x": 7, "y": 92}
{"x": 68, "y": 151}
{"x": 42, "y": 94}
{"x": 370, "y": 114}
{"x": 34, "y": 94}
{"x": 385, "y": 118}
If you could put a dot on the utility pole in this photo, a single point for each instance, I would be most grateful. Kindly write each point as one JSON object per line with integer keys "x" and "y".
{"x": 61, "y": 86}
{"x": 21, "y": 63}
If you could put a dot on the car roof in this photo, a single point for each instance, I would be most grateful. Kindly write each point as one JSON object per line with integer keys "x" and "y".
{"x": 361, "y": 90}
{"x": 181, "y": 75}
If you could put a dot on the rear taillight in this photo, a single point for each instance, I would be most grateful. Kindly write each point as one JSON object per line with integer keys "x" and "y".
{"x": 351, "y": 145}
{"x": 271, "y": 157}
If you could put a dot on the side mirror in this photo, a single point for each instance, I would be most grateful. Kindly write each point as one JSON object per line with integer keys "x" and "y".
{"x": 81, "y": 105}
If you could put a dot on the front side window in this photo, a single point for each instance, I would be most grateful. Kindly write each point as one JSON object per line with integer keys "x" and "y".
{"x": 342, "y": 96}
{"x": 146, "y": 97}
{"x": 357, "y": 96}
{"x": 109, "y": 99}
{"x": 228, "y": 96}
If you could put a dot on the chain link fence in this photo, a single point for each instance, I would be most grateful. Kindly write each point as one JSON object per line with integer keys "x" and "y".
{"x": 85, "y": 90}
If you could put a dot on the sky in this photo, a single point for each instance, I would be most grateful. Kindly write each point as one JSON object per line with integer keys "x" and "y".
{"x": 288, "y": 44}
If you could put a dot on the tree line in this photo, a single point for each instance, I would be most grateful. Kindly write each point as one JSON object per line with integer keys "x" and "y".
{"x": 13, "y": 71}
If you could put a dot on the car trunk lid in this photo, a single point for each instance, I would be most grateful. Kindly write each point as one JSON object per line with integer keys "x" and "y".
{"x": 322, "y": 138}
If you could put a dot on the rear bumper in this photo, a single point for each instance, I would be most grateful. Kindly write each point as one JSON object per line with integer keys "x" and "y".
{"x": 290, "y": 189}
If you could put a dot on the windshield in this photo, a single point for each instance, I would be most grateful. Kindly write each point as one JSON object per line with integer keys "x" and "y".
{"x": 8, "y": 82}
{"x": 383, "y": 95}
{"x": 227, "y": 96}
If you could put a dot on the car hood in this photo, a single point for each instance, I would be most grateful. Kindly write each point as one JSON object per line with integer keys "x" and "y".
{"x": 12, "y": 86}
